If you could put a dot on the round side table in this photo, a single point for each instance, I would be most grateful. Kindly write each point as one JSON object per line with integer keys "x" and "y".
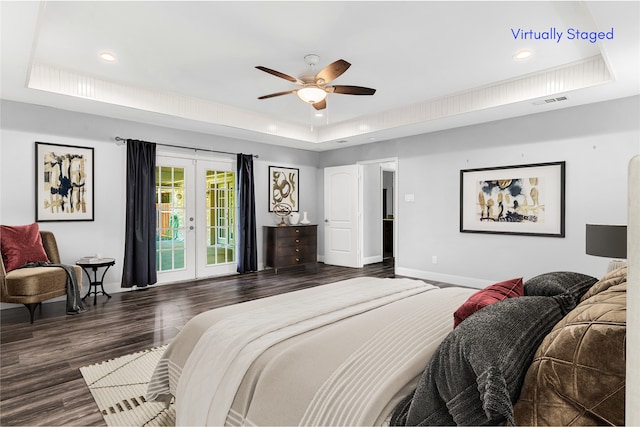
{"x": 95, "y": 264}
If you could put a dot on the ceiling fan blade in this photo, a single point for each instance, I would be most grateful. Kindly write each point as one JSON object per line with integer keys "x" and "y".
{"x": 271, "y": 95}
{"x": 351, "y": 90}
{"x": 279, "y": 74}
{"x": 320, "y": 105}
{"x": 332, "y": 71}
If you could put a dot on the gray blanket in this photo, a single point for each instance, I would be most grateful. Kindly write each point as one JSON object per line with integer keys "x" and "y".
{"x": 74, "y": 303}
{"x": 478, "y": 370}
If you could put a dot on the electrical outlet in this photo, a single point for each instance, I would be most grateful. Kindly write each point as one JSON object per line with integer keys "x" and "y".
{"x": 434, "y": 259}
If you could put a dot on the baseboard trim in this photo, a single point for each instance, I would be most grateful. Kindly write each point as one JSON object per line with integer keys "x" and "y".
{"x": 471, "y": 282}
{"x": 372, "y": 259}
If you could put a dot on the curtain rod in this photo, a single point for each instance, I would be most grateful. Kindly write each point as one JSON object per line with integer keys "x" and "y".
{"x": 117, "y": 138}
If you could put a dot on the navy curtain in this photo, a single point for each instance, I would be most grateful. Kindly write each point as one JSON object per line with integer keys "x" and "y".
{"x": 139, "y": 267}
{"x": 247, "y": 248}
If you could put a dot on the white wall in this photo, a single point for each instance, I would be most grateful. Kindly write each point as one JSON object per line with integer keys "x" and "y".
{"x": 23, "y": 124}
{"x": 596, "y": 141}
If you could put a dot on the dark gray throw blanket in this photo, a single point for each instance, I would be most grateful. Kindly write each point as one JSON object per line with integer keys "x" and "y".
{"x": 478, "y": 370}
{"x": 74, "y": 302}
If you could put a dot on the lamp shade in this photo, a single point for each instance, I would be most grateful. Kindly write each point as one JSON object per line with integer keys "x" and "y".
{"x": 607, "y": 240}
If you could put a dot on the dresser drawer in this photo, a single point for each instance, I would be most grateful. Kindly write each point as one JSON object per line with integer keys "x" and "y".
{"x": 289, "y": 260}
{"x": 293, "y": 232}
{"x": 295, "y": 241}
{"x": 289, "y": 246}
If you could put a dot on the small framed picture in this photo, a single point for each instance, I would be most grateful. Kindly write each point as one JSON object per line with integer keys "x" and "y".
{"x": 283, "y": 188}
{"x": 64, "y": 182}
{"x": 522, "y": 199}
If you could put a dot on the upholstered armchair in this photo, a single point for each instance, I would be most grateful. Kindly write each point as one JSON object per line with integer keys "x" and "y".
{"x": 31, "y": 286}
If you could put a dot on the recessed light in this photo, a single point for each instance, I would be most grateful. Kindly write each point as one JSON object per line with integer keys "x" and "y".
{"x": 522, "y": 54}
{"x": 319, "y": 114}
{"x": 108, "y": 57}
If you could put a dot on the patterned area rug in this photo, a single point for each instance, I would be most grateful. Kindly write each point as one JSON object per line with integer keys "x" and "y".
{"x": 119, "y": 386}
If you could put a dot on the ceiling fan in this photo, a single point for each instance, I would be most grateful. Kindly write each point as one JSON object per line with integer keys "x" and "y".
{"x": 314, "y": 88}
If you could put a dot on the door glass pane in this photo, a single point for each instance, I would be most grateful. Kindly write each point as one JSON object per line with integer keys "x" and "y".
{"x": 170, "y": 218}
{"x": 220, "y": 215}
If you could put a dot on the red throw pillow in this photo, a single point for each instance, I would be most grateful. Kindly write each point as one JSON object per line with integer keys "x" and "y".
{"x": 21, "y": 244}
{"x": 487, "y": 296}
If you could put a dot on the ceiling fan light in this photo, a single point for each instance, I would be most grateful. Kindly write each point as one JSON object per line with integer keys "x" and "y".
{"x": 311, "y": 94}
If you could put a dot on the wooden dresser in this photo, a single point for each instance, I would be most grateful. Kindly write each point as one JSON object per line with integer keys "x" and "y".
{"x": 290, "y": 245}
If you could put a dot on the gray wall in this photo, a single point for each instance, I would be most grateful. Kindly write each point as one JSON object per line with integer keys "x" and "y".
{"x": 372, "y": 213}
{"x": 387, "y": 184}
{"x": 596, "y": 141}
{"x": 23, "y": 124}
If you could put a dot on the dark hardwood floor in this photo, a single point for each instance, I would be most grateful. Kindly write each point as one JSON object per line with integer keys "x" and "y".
{"x": 40, "y": 380}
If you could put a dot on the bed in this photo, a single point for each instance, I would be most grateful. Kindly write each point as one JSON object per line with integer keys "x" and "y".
{"x": 372, "y": 351}
{"x": 337, "y": 354}
{"x": 384, "y": 351}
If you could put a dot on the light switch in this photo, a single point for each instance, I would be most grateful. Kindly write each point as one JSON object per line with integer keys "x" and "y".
{"x": 409, "y": 197}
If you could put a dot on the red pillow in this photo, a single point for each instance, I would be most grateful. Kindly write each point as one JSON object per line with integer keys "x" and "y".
{"x": 21, "y": 244}
{"x": 487, "y": 296}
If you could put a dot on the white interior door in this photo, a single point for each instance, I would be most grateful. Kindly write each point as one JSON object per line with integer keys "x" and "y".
{"x": 341, "y": 216}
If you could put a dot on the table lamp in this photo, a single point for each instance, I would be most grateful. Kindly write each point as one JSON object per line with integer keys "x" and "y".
{"x": 608, "y": 241}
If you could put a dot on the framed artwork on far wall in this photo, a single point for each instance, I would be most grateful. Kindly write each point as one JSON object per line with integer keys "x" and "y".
{"x": 64, "y": 183}
{"x": 523, "y": 200}
{"x": 283, "y": 188}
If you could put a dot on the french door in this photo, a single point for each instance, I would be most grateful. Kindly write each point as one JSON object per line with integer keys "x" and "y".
{"x": 195, "y": 218}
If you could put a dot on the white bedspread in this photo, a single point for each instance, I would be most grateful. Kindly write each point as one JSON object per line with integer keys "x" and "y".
{"x": 306, "y": 357}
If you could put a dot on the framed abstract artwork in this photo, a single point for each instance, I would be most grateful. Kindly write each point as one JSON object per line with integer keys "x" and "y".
{"x": 283, "y": 188}
{"x": 64, "y": 183}
{"x": 523, "y": 199}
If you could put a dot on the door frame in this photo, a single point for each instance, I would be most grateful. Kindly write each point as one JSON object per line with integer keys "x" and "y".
{"x": 361, "y": 213}
{"x": 395, "y": 204}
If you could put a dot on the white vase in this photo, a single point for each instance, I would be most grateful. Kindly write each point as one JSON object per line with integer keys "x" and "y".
{"x": 305, "y": 220}
{"x": 294, "y": 218}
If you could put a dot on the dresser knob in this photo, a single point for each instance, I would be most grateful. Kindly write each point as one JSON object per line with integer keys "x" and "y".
{"x": 297, "y": 250}
{"x": 297, "y": 259}
{"x": 297, "y": 230}
{"x": 297, "y": 240}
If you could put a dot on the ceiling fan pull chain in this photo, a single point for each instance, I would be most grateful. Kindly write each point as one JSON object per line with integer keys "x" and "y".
{"x": 311, "y": 113}
{"x": 326, "y": 114}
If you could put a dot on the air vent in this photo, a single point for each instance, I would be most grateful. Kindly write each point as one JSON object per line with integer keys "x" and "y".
{"x": 549, "y": 100}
